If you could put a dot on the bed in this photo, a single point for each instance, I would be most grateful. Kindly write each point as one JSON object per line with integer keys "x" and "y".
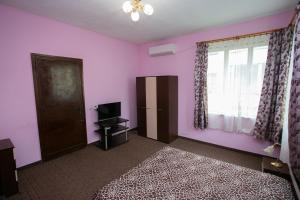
{"x": 176, "y": 174}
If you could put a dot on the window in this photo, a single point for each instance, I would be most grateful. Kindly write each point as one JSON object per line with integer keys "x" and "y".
{"x": 234, "y": 80}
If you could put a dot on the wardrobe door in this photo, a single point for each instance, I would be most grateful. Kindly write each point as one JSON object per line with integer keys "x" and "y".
{"x": 151, "y": 107}
{"x": 141, "y": 105}
{"x": 173, "y": 107}
{"x": 163, "y": 109}
{"x": 167, "y": 108}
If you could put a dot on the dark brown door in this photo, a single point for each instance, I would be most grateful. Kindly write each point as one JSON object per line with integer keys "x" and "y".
{"x": 141, "y": 105}
{"x": 60, "y": 104}
{"x": 167, "y": 108}
{"x": 162, "y": 84}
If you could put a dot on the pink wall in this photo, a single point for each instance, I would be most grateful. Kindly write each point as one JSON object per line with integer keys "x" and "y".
{"x": 182, "y": 63}
{"x": 109, "y": 67}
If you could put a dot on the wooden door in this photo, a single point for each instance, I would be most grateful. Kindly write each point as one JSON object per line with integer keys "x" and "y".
{"x": 167, "y": 108}
{"x": 60, "y": 104}
{"x": 151, "y": 107}
{"x": 173, "y": 108}
{"x": 163, "y": 108}
{"x": 141, "y": 105}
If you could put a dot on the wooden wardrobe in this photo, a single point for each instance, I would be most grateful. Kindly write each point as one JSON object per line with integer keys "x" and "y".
{"x": 157, "y": 107}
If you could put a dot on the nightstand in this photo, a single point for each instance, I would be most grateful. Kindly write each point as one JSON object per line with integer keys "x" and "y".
{"x": 8, "y": 173}
{"x": 268, "y": 168}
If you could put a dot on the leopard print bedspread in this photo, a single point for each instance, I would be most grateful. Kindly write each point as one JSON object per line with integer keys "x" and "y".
{"x": 175, "y": 174}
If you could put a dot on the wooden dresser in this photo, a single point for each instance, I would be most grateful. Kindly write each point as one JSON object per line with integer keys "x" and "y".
{"x": 157, "y": 107}
{"x": 8, "y": 174}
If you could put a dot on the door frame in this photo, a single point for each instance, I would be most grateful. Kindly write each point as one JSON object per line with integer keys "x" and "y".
{"x": 34, "y": 58}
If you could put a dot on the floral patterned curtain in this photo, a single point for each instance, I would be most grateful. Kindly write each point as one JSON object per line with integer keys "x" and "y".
{"x": 269, "y": 120}
{"x": 200, "y": 76}
{"x": 294, "y": 108}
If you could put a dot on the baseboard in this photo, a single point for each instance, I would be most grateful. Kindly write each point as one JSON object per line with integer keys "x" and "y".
{"x": 29, "y": 165}
{"x": 228, "y": 148}
{"x": 40, "y": 161}
{"x": 133, "y": 129}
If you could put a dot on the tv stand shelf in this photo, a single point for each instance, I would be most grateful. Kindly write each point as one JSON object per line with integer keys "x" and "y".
{"x": 112, "y": 132}
{"x": 112, "y": 121}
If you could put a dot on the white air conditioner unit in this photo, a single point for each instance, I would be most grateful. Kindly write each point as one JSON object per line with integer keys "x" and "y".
{"x": 161, "y": 50}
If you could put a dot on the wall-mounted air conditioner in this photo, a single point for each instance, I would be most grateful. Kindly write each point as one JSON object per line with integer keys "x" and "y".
{"x": 161, "y": 50}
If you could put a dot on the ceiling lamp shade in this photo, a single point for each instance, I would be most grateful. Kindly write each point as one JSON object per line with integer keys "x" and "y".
{"x": 135, "y": 16}
{"x": 134, "y": 7}
{"x": 127, "y": 7}
{"x": 148, "y": 9}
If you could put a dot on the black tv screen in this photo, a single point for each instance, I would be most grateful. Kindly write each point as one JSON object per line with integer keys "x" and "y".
{"x": 109, "y": 110}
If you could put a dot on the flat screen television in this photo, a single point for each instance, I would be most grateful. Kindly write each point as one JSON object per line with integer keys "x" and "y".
{"x": 109, "y": 110}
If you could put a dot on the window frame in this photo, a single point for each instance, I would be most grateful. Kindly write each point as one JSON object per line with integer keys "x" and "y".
{"x": 250, "y": 53}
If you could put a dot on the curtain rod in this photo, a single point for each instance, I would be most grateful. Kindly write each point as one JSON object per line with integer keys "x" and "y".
{"x": 240, "y": 36}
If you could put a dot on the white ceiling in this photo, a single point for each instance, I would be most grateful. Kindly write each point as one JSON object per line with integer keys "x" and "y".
{"x": 170, "y": 17}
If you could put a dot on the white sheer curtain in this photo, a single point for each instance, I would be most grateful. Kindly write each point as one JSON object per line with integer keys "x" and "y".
{"x": 234, "y": 82}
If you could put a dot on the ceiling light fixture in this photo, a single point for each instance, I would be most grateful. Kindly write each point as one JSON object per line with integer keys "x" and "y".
{"x": 134, "y": 7}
